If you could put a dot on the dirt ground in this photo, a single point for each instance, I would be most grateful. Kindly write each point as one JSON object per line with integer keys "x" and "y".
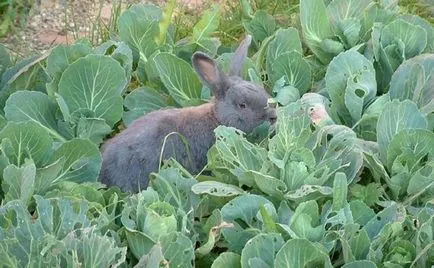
{"x": 52, "y": 22}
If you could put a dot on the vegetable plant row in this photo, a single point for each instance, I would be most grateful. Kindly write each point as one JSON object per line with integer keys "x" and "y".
{"x": 345, "y": 178}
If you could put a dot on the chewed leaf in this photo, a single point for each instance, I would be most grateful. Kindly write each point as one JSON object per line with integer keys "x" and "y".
{"x": 60, "y": 221}
{"x": 215, "y": 188}
{"x": 179, "y": 79}
{"x": 350, "y": 81}
{"x": 94, "y": 83}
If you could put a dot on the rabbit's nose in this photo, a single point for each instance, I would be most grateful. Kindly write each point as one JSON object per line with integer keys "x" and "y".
{"x": 272, "y": 116}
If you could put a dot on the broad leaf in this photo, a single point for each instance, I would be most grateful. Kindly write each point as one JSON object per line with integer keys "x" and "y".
{"x": 142, "y": 101}
{"x": 179, "y": 79}
{"x": 138, "y": 26}
{"x": 94, "y": 84}
{"x": 81, "y": 161}
{"x": 33, "y": 106}
{"x": 285, "y": 40}
{"x": 316, "y": 27}
{"x": 414, "y": 80}
{"x": 262, "y": 246}
{"x": 261, "y": 26}
{"x": 294, "y": 68}
{"x": 227, "y": 259}
{"x": 19, "y": 182}
{"x": 60, "y": 58}
{"x": 301, "y": 253}
{"x": 397, "y": 116}
{"x": 26, "y": 140}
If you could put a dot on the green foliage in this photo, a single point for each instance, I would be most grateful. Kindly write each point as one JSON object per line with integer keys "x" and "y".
{"x": 345, "y": 178}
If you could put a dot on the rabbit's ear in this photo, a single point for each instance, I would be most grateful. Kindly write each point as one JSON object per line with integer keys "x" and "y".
{"x": 240, "y": 56}
{"x": 210, "y": 73}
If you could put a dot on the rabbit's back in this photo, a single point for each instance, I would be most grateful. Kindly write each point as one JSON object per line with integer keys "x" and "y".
{"x": 132, "y": 155}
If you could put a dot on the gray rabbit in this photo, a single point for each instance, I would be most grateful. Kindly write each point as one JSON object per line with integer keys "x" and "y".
{"x": 187, "y": 133}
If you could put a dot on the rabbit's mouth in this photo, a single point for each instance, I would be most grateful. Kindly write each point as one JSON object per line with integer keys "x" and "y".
{"x": 271, "y": 115}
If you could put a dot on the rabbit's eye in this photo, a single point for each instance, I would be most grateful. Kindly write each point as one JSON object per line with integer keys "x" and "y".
{"x": 242, "y": 105}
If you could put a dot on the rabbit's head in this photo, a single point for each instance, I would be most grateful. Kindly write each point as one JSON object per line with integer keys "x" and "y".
{"x": 238, "y": 103}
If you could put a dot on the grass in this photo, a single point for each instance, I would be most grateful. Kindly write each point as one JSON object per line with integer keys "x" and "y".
{"x": 13, "y": 14}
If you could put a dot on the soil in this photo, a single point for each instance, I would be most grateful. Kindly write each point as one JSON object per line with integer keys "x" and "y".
{"x": 52, "y": 22}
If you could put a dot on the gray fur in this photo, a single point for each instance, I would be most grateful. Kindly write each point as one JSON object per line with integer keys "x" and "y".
{"x": 132, "y": 155}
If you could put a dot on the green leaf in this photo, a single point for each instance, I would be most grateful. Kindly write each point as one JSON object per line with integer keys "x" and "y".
{"x": 235, "y": 155}
{"x": 361, "y": 212}
{"x": 82, "y": 161}
{"x": 340, "y": 190}
{"x": 350, "y": 82}
{"x": 165, "y": 22}
{"x": 316, "y": 27}
{"x": 360, "y": 264}
{"x": 410, "y": 146}
{"x": 152, "y": 259}
{"x": 59, "y": 230}
{"x": 26, "y": 140}
{"x": 301, "y": 253}
{"x": 391, "y": 214}
{"x": 19, "y": 182}
{"x": 5, "y": 59}
{"x": 397, "y": 116}
{"x": 208, "y": 24}
{"x": 59, "y": 59}
{"x": 261, "y": 26}
{"x": 285, "y": 93}
{"x": 141, "y": 101}
{"x": 179, "y": 79}
{"x": 178, "y": 249}
{"x": 27, "y": 74}
{"x": 94, "y": 129}
{"x": 242, "y": 211}
{"x": 417, "y": 20}
{"x": 176, "y": 188}
{"x": 407, "y": 39}
{"x": 95, "y": 250}
{"x": 262, "y": 246}
{"x": 94, "y": 83}
{"x": 285, "y": 41}
{"x": 138, "y": 27}
{"x": 216, "y": 188}
{"x": 413, "y": 81}
{"x": 370, "y": 194}
{"x": 38, "y": 108}
{"x": 295, "y": 69}
{"x": 227, "y": 259}
{"x": 305, "y": 221}
{"x": 345, "y": 17}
